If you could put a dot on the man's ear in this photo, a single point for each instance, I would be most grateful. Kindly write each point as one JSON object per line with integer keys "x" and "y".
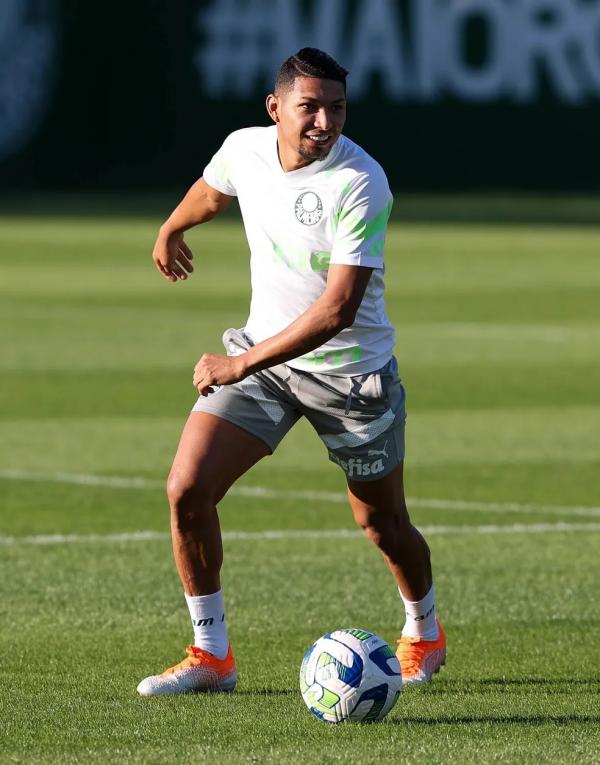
{"x": 272, "y": 105}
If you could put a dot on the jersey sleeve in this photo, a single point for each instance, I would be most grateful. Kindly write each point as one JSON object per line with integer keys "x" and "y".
{"x": 362, "y": 218}
{"x": 219, "y": 171}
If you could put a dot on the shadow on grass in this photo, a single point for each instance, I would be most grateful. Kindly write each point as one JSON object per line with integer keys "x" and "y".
{"x": 266, "y": 692}
{"x": 537, "y": 681}
{"x": 493, "y": 684}
{"x": 566, "y": 719}
{"x": 448, "y": 687}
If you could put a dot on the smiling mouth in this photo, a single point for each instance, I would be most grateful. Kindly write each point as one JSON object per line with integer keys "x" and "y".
{"x": 319, "y": 139}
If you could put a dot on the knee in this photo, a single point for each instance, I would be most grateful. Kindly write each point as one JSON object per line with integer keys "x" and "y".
{"x": 382, "y": 527}
{"x": 190, "y": 500}
{"x": 392, "y": 532}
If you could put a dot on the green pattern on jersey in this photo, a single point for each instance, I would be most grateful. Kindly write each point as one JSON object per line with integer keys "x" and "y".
{"x": 367, "y": 230}
{"x": 340, "y": 357}
{"x": 319, "y": 261}
{"x": 301, "y": 260}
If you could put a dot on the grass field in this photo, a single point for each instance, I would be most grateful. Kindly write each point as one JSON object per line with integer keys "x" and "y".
{"x": 498, "y": 339}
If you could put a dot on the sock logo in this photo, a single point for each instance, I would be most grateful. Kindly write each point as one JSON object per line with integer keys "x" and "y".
{"x": 424, "y": 616}
{"x": 203, "y": 622}
{"x": 208, "y": 622}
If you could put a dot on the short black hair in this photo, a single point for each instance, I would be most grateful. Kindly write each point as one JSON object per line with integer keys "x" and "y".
{"x": 309, "y": 62}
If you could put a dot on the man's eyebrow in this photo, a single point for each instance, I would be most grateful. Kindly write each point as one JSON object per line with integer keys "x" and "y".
{"x": 318, "y": 100}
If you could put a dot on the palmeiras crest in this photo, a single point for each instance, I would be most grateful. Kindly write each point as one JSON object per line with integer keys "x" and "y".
{"x": 308, "y": 208}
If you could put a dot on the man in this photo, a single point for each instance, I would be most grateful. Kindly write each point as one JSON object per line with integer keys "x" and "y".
{"x": 317, "y": 344}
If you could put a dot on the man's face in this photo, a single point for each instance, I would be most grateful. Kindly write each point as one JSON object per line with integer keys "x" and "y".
{"x": 309, "y": 118}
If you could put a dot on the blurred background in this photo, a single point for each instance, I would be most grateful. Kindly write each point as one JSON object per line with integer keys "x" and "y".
{"x": 447, "y": 94}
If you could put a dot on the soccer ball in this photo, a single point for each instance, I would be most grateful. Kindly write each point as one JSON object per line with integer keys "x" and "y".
{"x": 350, "y": 675}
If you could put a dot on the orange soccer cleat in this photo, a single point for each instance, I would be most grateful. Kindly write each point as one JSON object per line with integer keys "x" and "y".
{"x": 200, "y": 671}
{"x": 420, "y": 659}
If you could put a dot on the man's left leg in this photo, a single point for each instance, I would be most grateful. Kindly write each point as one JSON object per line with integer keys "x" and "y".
{"x": 380, "y": 510}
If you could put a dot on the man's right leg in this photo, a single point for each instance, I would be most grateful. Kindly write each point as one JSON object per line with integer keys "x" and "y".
{"x": 212, "y": 454}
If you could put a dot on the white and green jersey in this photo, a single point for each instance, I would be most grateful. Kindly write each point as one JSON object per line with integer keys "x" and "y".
{"x": 297, "y": 223}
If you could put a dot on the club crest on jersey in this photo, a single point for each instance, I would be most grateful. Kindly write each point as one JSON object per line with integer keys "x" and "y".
{"x": 309, "y": 208}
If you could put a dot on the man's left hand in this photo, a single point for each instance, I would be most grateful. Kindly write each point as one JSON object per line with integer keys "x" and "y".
{"x": 213, "y": 370}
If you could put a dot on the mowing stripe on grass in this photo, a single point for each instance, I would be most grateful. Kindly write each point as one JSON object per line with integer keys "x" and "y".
{"x": 287, "y": 534}
{"x": 262, "y": 492}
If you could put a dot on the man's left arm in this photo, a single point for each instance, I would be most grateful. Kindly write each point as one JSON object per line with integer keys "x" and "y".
{"x": 333, "y": 311}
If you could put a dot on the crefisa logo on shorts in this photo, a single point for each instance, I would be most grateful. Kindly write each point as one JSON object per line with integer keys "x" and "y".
{"x": 308, "y": 208}
{"x": 356, "y": 467}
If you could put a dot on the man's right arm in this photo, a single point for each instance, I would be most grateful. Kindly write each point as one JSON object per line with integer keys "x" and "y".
{"x": 171, "y": 254}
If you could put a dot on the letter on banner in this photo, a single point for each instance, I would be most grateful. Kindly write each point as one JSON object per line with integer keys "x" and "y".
{"x": 482, "y": 83}
{"x": 377, "y": 47}
{"x": 546, "y": 32}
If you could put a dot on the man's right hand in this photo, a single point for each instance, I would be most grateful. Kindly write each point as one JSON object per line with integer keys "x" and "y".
{"x": 172, "y": 256}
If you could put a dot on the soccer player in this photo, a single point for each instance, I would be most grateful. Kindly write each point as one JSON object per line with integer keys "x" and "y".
{"x": 317, "y": 344}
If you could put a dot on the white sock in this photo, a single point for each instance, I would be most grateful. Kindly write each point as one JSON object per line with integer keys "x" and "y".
{"x": 208, "y": 619}
{"x": 420, "y": 617}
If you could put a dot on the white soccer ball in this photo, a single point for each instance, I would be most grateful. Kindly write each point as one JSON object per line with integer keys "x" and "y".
{"x": 350, "y": 675}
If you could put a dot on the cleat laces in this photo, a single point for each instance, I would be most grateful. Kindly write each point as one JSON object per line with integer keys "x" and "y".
{"x": 411, "y": 660}
{"x": 194, "y": 657}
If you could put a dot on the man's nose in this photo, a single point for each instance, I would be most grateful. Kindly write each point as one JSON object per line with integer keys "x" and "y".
{"x": 323, "y": 119}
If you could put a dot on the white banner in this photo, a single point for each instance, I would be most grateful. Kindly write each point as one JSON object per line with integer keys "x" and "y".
{"x": 417, "y": 49}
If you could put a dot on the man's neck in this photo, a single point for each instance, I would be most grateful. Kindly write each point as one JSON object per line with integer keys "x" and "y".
{"x": 291, "y": 160}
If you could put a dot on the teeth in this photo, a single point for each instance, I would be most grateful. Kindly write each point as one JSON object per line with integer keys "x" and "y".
{"x": 319, "y": 138}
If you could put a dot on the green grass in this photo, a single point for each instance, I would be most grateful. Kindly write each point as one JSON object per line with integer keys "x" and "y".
{"x": 498, "y": 336}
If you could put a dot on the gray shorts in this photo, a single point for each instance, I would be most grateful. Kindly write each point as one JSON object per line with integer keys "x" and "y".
{"x": 360, "y": 419}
